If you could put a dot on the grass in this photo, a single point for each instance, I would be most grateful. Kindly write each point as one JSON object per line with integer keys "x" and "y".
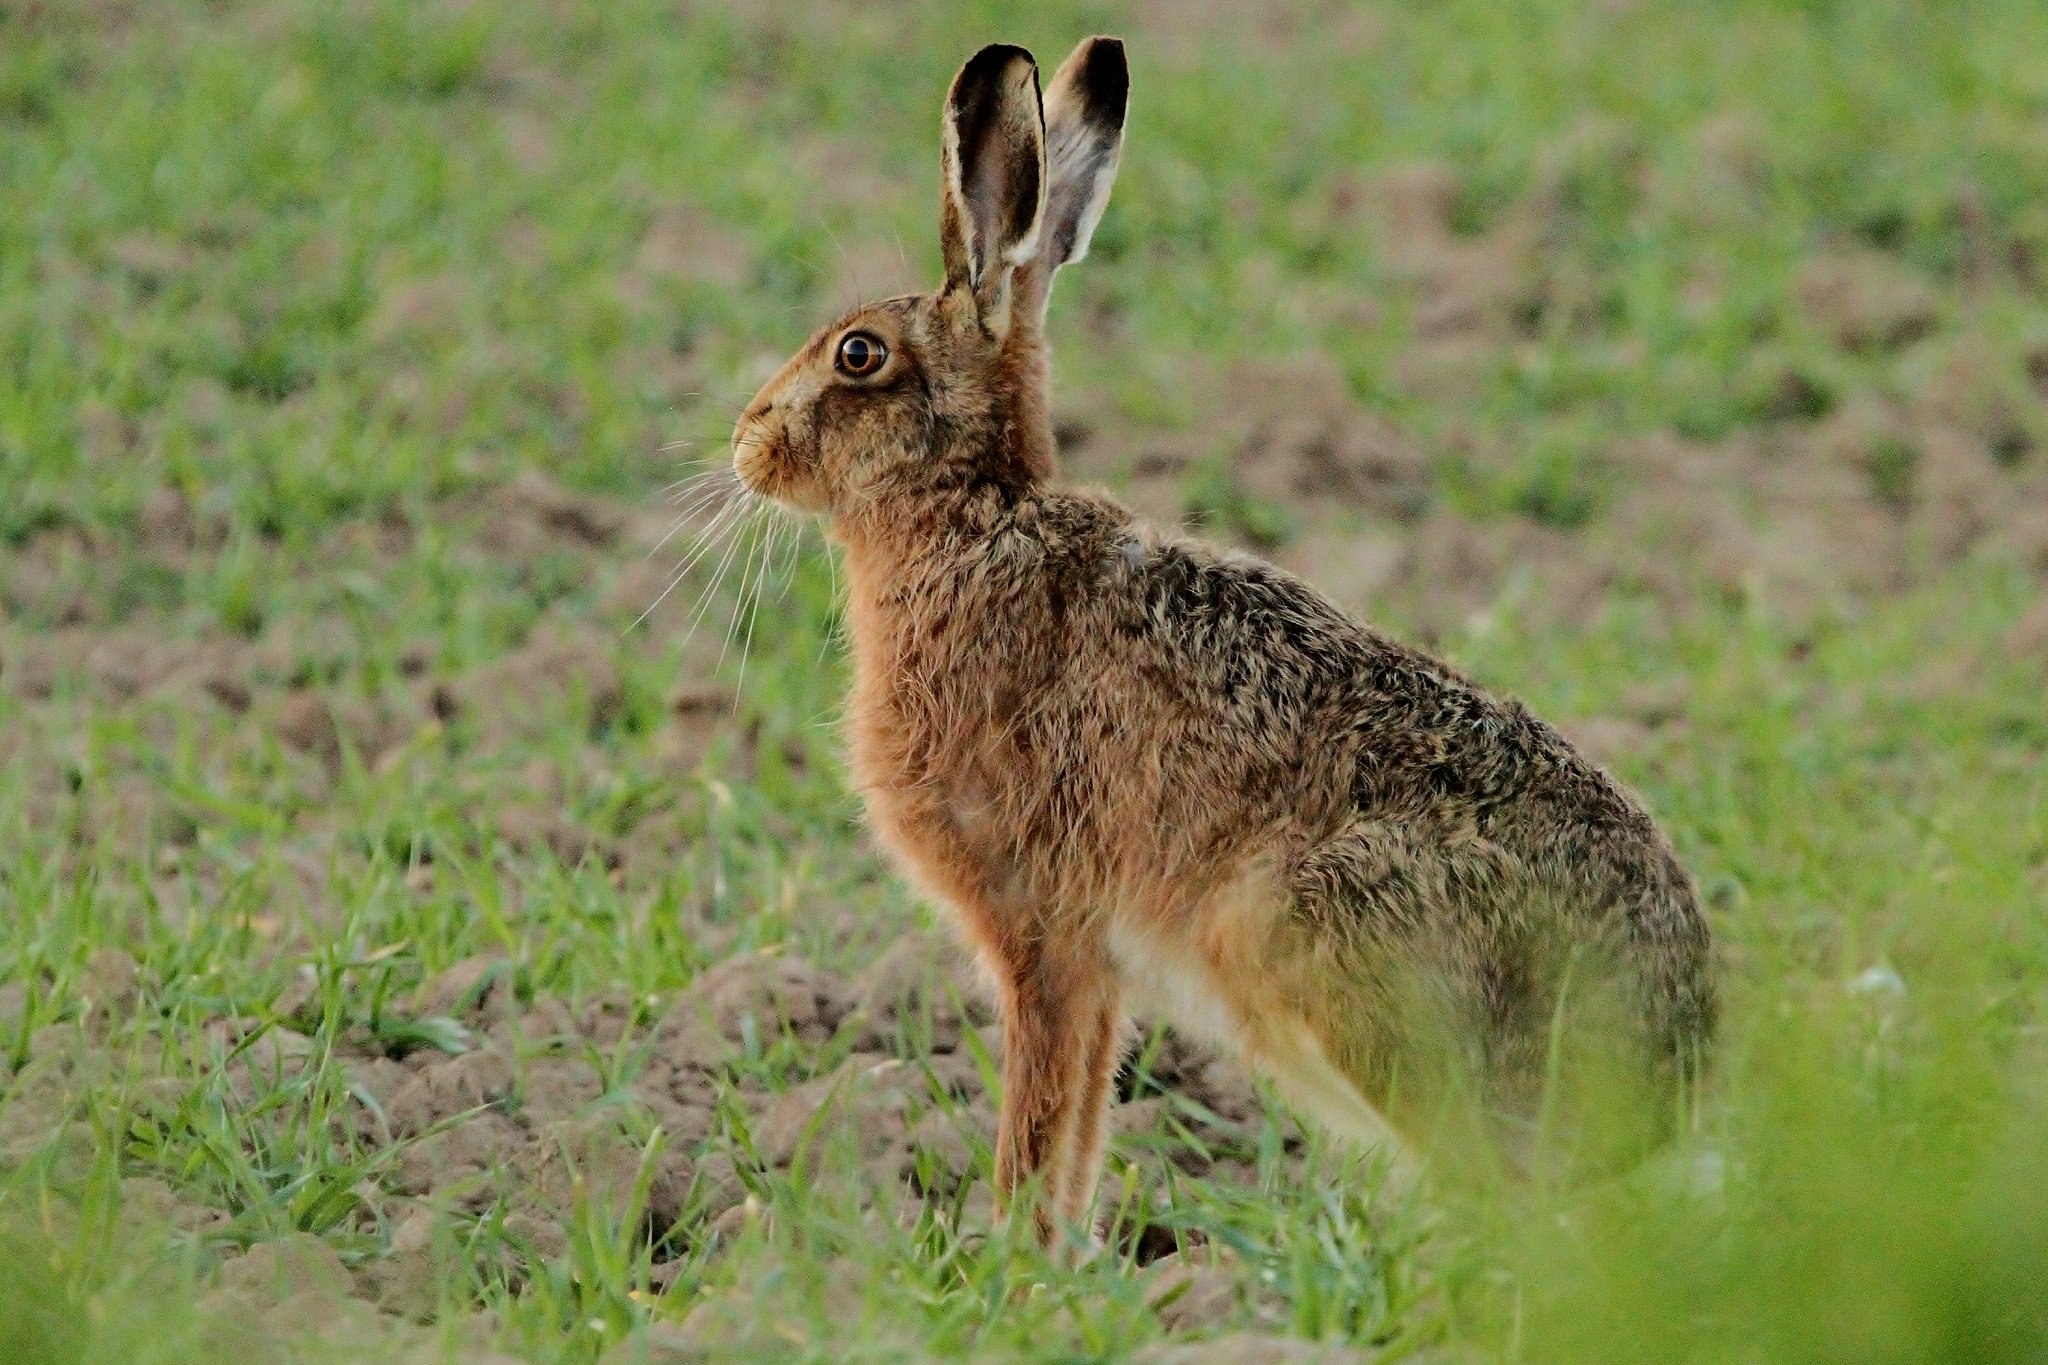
{"x": 338, "y": 276}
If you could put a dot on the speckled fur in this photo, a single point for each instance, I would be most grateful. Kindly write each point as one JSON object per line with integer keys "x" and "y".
{"x": 1134, "y": 766}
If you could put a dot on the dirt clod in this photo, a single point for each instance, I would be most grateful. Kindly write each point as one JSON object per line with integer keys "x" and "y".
{"x": 13, "y": 1010}
{"x": 459, "y": 1165}
{"x": 697, "y": 713}
{"x": 531, "y": 515}
{"x": 752, "y": 994}
{"x": 112, "y": 981}
{"x": 590, "y": 1159}
{"x": 942, "y": 1147}
{"x": 661, "y": 1343}
{"x": 1190, "y": 1295}
{"x": 520, "y": 693}
{"x": 403, "y": 1280}
{"x": 476, "y": 990}
{"x": 552, "y": 1089}
{"x": 294, "y": 1263}
{"x": 866, "y": 1101}
{"x": 448, "y": 1086}
{"x": 1867, "y": 301}
{"x": 1250, "y": 1348}
{"x": 305, "y": 722}
{"x": 719, "y": 1186}
{"x": 920, "y": 988}
{"x": 2026, "y": 641}
{"x": 1309, "y": 442}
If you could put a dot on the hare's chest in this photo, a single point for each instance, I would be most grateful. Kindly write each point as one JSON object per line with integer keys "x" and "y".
{"x": 934, "y": 727}
{"x": 908, "y": 750}
{"x": 935, "y": 792}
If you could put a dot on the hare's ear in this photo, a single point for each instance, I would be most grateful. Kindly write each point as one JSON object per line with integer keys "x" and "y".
{"x": 993, "y": 163}
{"x": 1084, "y": 132}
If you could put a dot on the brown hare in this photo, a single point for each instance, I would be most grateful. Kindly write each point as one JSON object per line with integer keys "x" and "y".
{"x": 1137, "y": 770}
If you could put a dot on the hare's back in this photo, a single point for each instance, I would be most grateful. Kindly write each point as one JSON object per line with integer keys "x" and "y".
{"x": 1267, "y": 661}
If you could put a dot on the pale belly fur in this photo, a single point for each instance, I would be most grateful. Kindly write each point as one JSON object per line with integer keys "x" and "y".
{"x": 1223, "y": 985}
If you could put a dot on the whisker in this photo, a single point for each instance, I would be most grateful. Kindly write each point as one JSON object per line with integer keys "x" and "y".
{"x": 700, "y": 470}
{"x": 713, "y": 485}
{"x": 709, "y": 591}
{"x": 760, "y": 589}
{"x": 695, "y": 490}
{"x": 739, "y": 602}
{"x": 709, "y": 545}
{"x": 732, "y": 540}
{"x": 699, "y": 499}
{"x": 679, "y": 523}
{"x": 752, "y": 536}
{"x": 726, "y": 518}
{"x": 704, "y": 493}
{"x": 796, "y": 549}
{"x": 830, "y": 635}
{"x": 712, "y": 535}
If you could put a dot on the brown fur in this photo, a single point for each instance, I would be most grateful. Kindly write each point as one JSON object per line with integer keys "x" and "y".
{"x": 1131, "y": 765}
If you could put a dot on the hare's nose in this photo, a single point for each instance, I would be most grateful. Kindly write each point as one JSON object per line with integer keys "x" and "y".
{"x": 754, "y": 442}
{"x": 747, "y": 431}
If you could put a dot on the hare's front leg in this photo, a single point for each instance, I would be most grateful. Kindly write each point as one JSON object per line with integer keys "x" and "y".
{"x": 1081, "y": 1170}
{"x": 1059, "y": 1005}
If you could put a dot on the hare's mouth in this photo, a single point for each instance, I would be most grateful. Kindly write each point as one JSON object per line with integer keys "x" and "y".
{"x": 753, "y": 459}
{"x": 757, "y": 455}
{"x": 761, "y": 459}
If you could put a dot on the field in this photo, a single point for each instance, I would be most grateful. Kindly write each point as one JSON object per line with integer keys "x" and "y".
{"x": 434, "y": 923}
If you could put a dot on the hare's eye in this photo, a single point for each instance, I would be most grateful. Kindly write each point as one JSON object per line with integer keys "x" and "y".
{"x": 860, "y": 354}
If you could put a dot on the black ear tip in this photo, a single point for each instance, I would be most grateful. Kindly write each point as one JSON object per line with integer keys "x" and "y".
{"x": 980, "y": 78}
{"x": 991, "y": 61}
{"x": 1106, "y": 73}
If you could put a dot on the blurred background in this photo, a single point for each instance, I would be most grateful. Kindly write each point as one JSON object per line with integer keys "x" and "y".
{"x": 1681, "y": 367}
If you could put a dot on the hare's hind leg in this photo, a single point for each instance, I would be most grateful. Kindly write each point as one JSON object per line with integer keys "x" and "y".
{"x": 1059, "y": 1011}
{"x": 1403, "y": 969}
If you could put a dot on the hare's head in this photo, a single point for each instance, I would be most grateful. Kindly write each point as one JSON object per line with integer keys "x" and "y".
{"x": 929, "y": 394}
